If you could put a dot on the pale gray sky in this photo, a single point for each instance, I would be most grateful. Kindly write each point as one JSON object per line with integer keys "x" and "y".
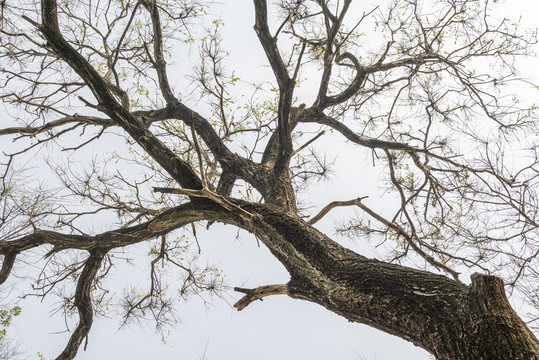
{"x": 277, "y": 328}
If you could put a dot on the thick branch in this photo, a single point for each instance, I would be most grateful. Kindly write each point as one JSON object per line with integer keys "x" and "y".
{"x": 432, "y": 311}
{"x": 272, "y": 147}
{"x": 83, "y": 302}
{"x": 159, "y": 61}
{"x": 233, "y": 163}
{"x": 356, "y": 84}
{"x": 269, "y": 43}
{"x": 136, "y": 123}
{"x": 180, "y": 170}
{"x": 7, "y": 265}
{"x": 165, "y": 222}
{"x": 286, "y": 87}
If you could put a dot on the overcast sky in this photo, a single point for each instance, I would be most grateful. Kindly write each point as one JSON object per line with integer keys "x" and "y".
{"x": 276, "y": 328}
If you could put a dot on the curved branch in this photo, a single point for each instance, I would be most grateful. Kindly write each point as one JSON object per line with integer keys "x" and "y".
{"x": 311, "y": 115}
{"x": 161, "y": 224}
{"x": 83, "y": 302}
{"x": 179, "y": 169}
{"x": 159, "y": 61}
{"x": 408, "y": 239}
{"x": 332, "y": 205}
{"x": 7, "y": 265}
{"x": 357, "y": 202}
{"x": 356, "y": 84}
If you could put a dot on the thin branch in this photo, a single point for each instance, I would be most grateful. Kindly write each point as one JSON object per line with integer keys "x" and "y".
{"x": 408, "y": 239}
{"x": 332, "y": 205}
{"x": 329, "y": 52}
{"x": 34, "y": 130}
{"x": 160, "y": 64}
{"x": 199, "y": 153}
{"x": 120, "y": 41}
{"x": 298, "y": 64}
{"x": 308, "y": 142}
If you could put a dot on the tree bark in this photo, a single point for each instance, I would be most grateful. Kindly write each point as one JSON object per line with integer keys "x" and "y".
{"x": 445, "y": 317}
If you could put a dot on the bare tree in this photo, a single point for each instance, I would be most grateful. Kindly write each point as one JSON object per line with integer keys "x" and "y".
{"x": 424, "y": 87}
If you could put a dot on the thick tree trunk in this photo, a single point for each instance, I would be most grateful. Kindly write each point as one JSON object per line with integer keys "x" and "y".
{"x": 443, "y": 316}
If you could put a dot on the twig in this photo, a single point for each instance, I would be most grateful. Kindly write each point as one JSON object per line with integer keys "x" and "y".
{"x": 308, "y": 143}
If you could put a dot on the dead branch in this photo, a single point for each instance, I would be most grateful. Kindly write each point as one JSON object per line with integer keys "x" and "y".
{"x": 257, "y": 294}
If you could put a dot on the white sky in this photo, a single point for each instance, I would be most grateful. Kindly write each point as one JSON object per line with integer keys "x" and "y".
{"x": 277, "y": 328}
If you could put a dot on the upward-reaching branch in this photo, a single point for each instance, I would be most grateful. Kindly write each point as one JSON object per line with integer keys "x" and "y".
{"x": 286, "y": 86}
{"x": 137, "y": 123}
{"x": 333, "y": 24}
{"x": 179, "y": 169}
{"x": 159, "y": 62}
{"x": 269, "y": 43}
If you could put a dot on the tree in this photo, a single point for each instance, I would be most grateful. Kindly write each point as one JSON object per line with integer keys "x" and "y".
{"x": 422, "y": 87}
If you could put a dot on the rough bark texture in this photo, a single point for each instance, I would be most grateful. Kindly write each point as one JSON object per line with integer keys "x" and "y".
{"x": 443, "y": 316}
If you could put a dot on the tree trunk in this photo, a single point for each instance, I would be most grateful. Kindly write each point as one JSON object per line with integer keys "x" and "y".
{"x": 441, "y": 315}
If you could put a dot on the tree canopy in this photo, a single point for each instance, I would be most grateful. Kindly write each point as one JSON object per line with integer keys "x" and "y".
{"x": 428, "y": 93}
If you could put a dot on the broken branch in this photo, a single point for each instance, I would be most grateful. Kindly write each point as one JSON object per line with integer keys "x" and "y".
{"x": 258, "y": 293}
